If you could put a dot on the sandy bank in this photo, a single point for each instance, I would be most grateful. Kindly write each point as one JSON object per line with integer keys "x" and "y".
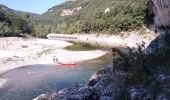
{"x": 17, "y": 52}
{"x": 72, "y": 56}
{"x": 125, "y": 39}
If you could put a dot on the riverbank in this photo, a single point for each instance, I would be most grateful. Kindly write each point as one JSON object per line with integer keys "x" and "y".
{"x": 109, "y": 84}
{"x": 103, "y": 85}
{"x": 17, "y": 52}
{"x": 113, "y": 83}
{"x": 124, "y": 39}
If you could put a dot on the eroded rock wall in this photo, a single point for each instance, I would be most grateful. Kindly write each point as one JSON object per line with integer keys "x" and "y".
{"x": 161, "y": 11}
{"x": 67, "y": 12}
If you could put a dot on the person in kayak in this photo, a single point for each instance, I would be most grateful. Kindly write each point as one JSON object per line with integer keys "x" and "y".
{"x": 55, "y": 60}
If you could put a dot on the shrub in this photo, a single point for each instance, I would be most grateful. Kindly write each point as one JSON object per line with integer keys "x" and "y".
{"x": 136, "y": 63}
{"x": 144, "y": 66}
{"x": 12, "y": 25}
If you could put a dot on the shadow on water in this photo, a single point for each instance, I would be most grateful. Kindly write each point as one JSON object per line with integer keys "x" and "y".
{"x": 28, "y": 82}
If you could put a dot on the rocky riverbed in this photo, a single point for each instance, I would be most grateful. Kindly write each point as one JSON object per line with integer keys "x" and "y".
{"x": 109, "y": 84}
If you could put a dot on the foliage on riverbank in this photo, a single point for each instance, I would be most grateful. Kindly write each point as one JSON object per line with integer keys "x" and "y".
{"x": 11, "y": 25}
{"x": 82, "y": 47}
{"x": 147, "y": 69}
{"x": 124, "y": 15}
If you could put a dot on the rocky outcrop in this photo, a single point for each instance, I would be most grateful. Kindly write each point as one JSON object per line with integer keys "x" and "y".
{"x": 107, "y": 10}
{"x": 3, "y": 82}
{"x": 67, "y": 12}
{"x": 103, "y": 85}
{"x": 109, "y": 84}
{"x": 159, "y": 42}
{"x": 161, "y": 9}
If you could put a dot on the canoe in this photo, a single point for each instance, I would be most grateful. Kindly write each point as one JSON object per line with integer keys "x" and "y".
{"x": 66, "y": 64}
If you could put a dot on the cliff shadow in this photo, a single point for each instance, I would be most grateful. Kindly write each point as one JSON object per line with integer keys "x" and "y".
{"x": 149, "y": 18}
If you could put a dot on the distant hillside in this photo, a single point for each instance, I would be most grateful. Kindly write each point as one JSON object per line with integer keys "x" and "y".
{"x": 13, "y": 24}
{"x": 16, "y": 13}
{"x": 84, "y": 16}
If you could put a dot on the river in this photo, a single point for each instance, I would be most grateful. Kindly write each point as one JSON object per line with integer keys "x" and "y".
{"x": 28, "y": 82}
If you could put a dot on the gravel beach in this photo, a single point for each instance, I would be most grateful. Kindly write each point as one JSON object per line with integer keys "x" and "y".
{"x": 17, "y": 52}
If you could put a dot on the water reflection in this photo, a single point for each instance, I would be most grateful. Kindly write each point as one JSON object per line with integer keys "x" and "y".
{"x": 27, "y": 82}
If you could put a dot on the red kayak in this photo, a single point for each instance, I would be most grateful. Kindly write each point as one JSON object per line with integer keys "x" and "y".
{"x": 66, "y": 64}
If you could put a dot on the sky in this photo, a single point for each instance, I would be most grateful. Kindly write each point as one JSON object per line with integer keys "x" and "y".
{"x": 34, "y": 6}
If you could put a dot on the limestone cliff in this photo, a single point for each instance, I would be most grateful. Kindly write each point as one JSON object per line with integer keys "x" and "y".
{"x": 67, "y": 12}
{"x": 161, "y": 9}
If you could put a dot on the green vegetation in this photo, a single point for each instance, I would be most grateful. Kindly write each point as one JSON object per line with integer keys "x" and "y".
{"x": 82, "y": 46}
{"x": 144, "y": 66}
{"x": 24, "y": 46}
{"x": 45, "y": 51}
{"x": 11, "y": 25}
{"x": 124, "y": 15}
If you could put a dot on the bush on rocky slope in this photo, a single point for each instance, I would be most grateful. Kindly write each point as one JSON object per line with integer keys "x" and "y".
{"x": 149, "y": 71}
{"x": 143, "y": 66}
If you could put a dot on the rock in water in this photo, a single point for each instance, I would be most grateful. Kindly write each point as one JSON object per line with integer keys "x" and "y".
{"x": 3, "y": 83}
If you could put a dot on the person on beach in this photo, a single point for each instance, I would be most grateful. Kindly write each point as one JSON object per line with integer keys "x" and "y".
{"x": 55, "y": 59}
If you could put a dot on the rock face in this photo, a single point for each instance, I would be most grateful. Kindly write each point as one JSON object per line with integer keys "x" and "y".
{"x": 159, "y": 42}
{"x": 161, "y": 9}
{"x": 109, "y": 84}
{"x": 67, "y": 12}
{"x": 107, "y": 10}
{"x": 103, "y": 85}
{"x": 3, "y": 82}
